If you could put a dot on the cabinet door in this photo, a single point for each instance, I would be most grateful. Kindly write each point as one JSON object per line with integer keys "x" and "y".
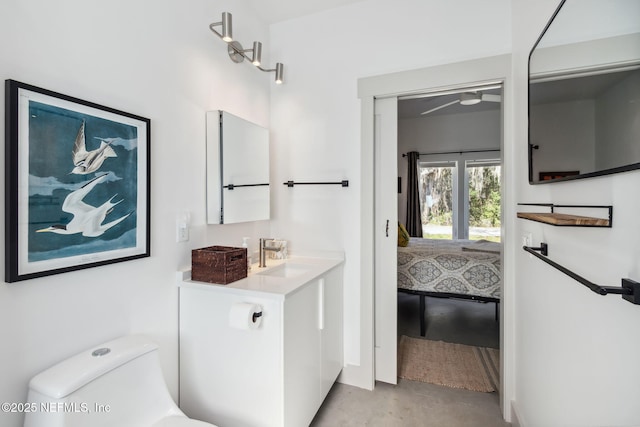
{"x": 331, "y": 297}
{"x": 301, "y": 355}
{"x": 224, "y": 370}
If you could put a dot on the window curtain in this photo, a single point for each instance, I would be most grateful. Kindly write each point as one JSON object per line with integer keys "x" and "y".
{"x": 414, "y": 221}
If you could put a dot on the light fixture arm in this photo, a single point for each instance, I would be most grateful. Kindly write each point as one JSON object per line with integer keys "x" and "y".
{"x": 227, "y": 27}
{"x": 237, "y": 53}
{"x": 279, "y": 70}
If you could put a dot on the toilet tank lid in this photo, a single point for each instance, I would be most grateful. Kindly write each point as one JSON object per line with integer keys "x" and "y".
{"x": 69, "y": 375}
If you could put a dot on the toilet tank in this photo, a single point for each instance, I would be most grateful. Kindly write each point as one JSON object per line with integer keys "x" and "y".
{"x": 118, "y": 383}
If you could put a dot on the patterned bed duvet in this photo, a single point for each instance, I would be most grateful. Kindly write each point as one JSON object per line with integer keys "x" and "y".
{"x": 467, "y": 268}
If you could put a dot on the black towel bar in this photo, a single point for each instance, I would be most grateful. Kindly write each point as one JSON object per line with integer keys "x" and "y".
{"x": 344, "y": 183}
{"x": 630, "y": 289}
{"x": 232, "y": 186}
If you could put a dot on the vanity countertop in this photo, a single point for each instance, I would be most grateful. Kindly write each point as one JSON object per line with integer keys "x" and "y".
{"x": 267, "y": 281}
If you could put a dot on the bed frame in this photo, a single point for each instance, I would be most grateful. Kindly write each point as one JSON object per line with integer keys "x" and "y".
{"x": 423, "y": 294}
{"x": 461, "y": 269}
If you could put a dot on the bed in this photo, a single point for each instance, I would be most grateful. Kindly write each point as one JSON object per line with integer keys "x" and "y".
{"x": 468, "y": 269}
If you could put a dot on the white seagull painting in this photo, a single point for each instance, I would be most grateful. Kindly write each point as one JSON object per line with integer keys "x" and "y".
{"x": 89, "y": 161}
{"x": 86, "y": 219}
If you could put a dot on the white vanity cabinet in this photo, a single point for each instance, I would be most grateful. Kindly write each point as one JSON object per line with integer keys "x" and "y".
{"x": 313, "y": 350}
{"x": 277, "y": 374}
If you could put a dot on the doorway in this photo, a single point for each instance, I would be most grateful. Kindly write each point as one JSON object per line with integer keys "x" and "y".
{"x": 456, "y": 161}
{"x": 441, "y": 77}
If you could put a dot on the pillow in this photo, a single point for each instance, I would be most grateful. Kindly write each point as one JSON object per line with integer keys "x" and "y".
{"x": 403, "y": 235}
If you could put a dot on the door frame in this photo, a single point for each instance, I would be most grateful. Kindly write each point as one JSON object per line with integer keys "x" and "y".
{"x": 385, "y": 250}
{"x": 450, "y": 76}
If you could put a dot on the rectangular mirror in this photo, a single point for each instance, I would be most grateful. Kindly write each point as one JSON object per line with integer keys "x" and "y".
{"x": 237, "y": 169}
{"x": 584, "y": 92}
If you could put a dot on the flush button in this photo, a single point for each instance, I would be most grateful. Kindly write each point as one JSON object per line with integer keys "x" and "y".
{"x": 101, "y": 352}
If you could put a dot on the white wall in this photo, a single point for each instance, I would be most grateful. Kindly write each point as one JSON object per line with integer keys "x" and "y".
{"x": 316, "y": 118}
{"x": 572, "y": 345}
{"x": 450, "y": 132}
{"x": 154, "y": 59}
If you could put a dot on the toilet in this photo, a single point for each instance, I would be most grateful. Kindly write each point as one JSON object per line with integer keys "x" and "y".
{"x": 118, "y": 383}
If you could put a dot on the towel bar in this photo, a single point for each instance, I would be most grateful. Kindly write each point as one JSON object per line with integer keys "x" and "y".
{"x": 232, "y": 186}
{"x": 344, "y": 183}
{"x": 630, "y": 289}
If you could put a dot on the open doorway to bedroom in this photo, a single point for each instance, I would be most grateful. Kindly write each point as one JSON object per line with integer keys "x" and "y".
{"x": 449, "y": 156}
{"x": 382, "y": 165}
{"x": 449, "y": 196}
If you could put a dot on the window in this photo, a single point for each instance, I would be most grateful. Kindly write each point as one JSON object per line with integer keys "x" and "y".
{"x": 453, "y": 211}
{"x": 483, "y": 199}
{"x": 436, "y": 188}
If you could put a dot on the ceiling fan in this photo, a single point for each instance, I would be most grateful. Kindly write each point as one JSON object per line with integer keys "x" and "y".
{"x": 468, "y": 98}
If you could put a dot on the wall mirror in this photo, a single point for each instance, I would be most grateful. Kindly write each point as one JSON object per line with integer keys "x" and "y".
{"x": 584, "y": 92}
{"x": 237, "y": 169}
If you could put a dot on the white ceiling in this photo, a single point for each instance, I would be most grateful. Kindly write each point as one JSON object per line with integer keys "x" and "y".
{"x": 272, "y": 11}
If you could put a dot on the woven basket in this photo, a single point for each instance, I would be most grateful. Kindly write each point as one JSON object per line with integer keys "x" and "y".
{"x": 218, "y": 264}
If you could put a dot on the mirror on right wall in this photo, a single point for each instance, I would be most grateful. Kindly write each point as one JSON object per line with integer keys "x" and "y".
{"x": 584, "y": 92}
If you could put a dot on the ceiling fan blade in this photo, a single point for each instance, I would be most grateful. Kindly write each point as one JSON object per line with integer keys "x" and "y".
{"x": 440, "y": 107}
{"x": 491, "y": 98}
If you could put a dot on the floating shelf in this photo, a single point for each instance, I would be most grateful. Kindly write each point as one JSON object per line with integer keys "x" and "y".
{"x": 567, "y": 220}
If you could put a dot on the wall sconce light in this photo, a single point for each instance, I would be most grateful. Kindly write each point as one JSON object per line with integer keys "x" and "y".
{"x": 237, "y": 53}
{"x": 227, "y": 27}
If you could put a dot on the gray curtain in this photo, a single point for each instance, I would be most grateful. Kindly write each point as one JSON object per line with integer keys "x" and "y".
{"x": 414, "y": 222}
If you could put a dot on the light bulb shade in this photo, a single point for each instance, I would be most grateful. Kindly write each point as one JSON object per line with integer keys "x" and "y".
{"x": 279, "y": 73}
{"x": 257, "y": 53}
{"x": 227, "y": 27}
{"x": 470, "y": 98}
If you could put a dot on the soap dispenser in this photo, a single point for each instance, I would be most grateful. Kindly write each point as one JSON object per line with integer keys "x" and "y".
{"x": 245, "y": 244}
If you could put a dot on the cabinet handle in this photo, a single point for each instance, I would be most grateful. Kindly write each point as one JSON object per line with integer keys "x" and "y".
{"x": 321, "y": 304}
{"x": 387, "y": 229}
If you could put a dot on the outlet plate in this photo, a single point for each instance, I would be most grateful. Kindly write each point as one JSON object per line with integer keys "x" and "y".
{"x": 527, "y": 239}
{"x": 182, "y": 233}
{"x": 183, "y": 220}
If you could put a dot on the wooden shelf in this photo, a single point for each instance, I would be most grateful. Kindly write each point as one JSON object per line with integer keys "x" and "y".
{"x": 565, "y": 219}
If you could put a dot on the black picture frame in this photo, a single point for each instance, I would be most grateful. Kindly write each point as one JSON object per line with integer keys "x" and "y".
{"x": 77, "y": 183}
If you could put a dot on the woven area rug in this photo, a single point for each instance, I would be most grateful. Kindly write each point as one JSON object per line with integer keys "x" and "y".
{"x": 451, "y": 365}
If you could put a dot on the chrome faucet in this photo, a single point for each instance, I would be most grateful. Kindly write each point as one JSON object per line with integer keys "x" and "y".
{"x": 264, "y": 248}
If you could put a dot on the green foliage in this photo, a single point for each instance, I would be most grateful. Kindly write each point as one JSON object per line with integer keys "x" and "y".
{"x": 437, "y": 184}
{"x": 484, "y": 196}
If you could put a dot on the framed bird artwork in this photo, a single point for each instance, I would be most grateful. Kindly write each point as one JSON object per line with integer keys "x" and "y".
{"x": 77, "y": 183}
